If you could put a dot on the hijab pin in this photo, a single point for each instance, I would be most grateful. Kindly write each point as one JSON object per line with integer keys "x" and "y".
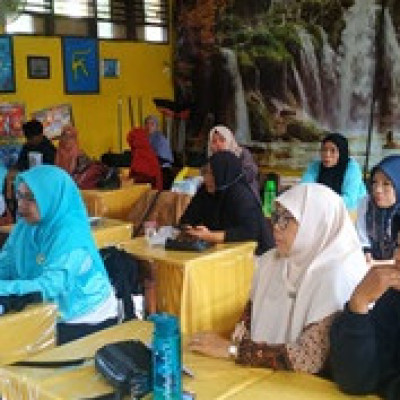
{"x": 292, "y": 295}
{"x": 40, "y": 259}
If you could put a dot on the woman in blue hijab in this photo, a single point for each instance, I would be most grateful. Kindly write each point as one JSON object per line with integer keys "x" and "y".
{"x": 378, "y": 216}
{"x": 3, "y": 175}
{"x": 51, "y": 251}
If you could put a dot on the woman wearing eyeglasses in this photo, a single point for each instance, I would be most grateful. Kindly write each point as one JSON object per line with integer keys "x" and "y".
{"x": 337, "y": 170}
{"x": 378, "y": 216}
{"x": 298, "y": 287}
{"x": 51, "y": 250}
{"x": 225, "y": 209}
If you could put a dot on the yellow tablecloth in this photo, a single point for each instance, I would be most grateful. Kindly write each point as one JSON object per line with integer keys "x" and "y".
{"x": 106, "y": 231}
{"x": 27, "y": 332}
{"x": 111, "y": 232}
{"x": 214, "y": 379}
{"x": 207, "y": 290}
{"x": 113, "y": 203}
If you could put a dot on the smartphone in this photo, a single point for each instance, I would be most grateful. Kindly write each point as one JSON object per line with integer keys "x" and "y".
{"x": 184, "y": 227}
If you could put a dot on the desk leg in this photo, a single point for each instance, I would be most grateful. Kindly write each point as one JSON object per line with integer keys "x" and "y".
{"x": 150, "y": 293}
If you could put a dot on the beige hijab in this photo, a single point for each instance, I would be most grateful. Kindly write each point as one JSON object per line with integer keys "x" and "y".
{"x": 317, "y": 278}
{"x": 229, "y": 139}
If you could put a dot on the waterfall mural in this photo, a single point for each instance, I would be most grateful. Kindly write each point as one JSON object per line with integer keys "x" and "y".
{"x": 283, "y": 73}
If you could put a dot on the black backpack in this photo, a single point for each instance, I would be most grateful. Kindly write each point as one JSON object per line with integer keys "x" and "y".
{"x": 123, "y": 271}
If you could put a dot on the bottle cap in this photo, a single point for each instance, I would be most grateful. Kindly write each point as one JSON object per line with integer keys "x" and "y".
{"x": 270, "y": 185}
{"x": 150, "y": 224}
{"x": 165, "y": 324}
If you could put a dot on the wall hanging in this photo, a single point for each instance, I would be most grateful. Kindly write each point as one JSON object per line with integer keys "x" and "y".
{"x": 81, "y": 65}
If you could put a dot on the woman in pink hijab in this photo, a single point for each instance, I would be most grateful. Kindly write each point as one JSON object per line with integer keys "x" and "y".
{"x": 68, "y": 150}
{"x": 87, "y": 173}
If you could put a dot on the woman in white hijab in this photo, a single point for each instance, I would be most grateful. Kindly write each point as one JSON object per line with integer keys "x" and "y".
{"x": 298, "y": 287}
{"x": 222, "y": 138}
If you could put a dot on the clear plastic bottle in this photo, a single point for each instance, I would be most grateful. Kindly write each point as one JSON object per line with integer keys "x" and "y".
{"x": 167, "y": 362}
{"x": 269, "y": 197}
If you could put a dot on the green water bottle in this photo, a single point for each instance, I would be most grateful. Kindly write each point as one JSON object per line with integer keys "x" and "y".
{"x": 269, "y": 197}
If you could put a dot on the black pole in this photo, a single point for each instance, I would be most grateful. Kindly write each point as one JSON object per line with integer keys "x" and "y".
{"x": 377, "y": 80}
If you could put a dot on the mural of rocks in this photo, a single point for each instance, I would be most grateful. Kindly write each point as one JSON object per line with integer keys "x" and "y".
{"x": 283, "y": 73}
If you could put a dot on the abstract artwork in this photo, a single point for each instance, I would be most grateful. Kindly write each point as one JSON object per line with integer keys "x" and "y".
{"x": 54, "y": 118}
{"x": 7, "y": 80}
{"x": 110, "y": 68}
{"x": 81, "y": 65}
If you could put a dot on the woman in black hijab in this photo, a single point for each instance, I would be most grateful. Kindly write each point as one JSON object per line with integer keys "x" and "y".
{"x": 337, "y": 170}
{"x": 225, "y": 209}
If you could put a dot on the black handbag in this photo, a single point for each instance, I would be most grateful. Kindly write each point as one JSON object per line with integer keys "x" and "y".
{"x": 127, "y": 366}
{"x": 187, "y": 244}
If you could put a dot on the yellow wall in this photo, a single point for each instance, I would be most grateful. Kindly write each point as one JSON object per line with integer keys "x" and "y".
{"x": 145, "y": 71}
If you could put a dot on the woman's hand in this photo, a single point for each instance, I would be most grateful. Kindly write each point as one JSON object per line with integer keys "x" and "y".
{"x": 202, "y": 232}
{"x": 371, "y": 288}
{"x": 368, "y": 259}
{"x": 210, "y": 344}
{"x": 240, "y": 332}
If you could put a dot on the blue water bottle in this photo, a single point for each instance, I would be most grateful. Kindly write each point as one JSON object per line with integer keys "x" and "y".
{"x": 167, "y": 383}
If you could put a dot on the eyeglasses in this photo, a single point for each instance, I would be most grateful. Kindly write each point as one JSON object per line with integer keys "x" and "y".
{"x": 24, "y": 196}
{"x": 281, "y": 219}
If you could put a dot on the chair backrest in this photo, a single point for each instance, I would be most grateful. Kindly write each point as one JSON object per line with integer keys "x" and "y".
{"x": 166, "y": 210}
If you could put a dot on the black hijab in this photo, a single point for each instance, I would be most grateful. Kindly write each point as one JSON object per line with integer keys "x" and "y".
{"x": 227, "y": 170}
{"x": 333, "y": 176}
{"x": 233, "y": 207}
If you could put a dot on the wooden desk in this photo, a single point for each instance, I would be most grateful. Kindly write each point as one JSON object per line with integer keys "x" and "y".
{"x": 111, "y": 232}
{"x": 106, "y": 231}
{"x": 27, "y": 332}
{"x": 214, "y": 379}
{"x": 113, "y": 203}
{"x": 207, "y": 290}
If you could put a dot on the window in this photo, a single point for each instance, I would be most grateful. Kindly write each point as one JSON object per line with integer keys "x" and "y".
{"x": 145, "y": 20}
{"x": 31, "y": 20}
{"x": 155, "y": 15}
{"x": 72, "y": 8}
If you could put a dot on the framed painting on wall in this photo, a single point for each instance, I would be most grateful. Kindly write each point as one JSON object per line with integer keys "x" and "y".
{"x": 81, "y": 65}
{"x": 110, "y": 68}
{"x": 38, "y": 67}
{"x": 7, "y": 78}
{"x": 54, "y": 118}
{"x": 12, "y": 117}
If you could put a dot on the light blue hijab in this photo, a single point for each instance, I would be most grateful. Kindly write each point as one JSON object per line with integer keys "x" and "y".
{"x": 3, "y": 174}
{"x": 40, "y": 256}
{"x": 63, "y": 226}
